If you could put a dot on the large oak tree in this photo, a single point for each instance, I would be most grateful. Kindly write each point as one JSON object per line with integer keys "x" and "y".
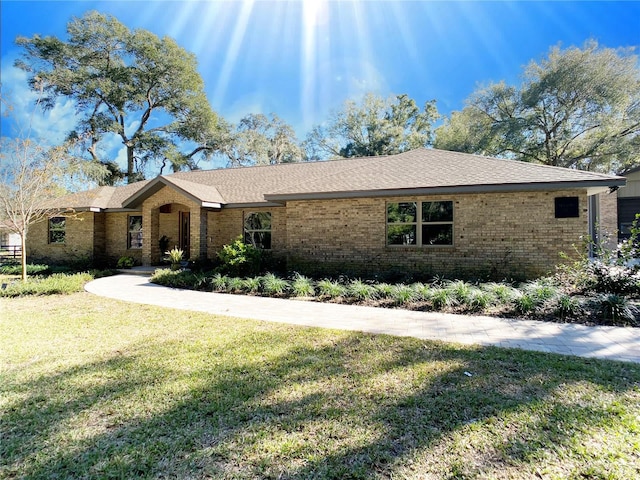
{"x": 376, "y": 126}
{"x": 576, "y": 108}
{"x": 140, "y": 87}
{"x": 260, "y": 140}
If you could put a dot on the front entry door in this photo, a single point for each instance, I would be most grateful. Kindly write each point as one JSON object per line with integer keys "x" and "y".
{"x": 185, "y": 233}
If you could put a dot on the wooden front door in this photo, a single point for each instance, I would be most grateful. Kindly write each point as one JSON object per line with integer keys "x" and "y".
{"x": 185, "y": 233}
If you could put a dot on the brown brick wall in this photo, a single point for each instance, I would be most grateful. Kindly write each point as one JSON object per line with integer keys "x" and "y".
{"x": 514, "y": 234}
{"x": 608, "y": 219}
{"x": 78, "y": 246}
{"x": 116, "y": 227}
{"x": 497, "y": 234}
{"x": 226, "y": 225}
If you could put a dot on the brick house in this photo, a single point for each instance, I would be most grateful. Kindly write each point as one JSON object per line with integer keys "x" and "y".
{"x": 428, "y": 211}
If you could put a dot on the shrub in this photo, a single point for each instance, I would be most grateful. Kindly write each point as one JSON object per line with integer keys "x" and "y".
{"x": 565, "y": 306}
{"x": 502, "y": 292}
{"x": 125, "y": 262}
{"x": 252, "y": 284}
{"x": 527, "y": 303}
{"x": 613, "y": 278}
{"x": 302, "y": 286}
{"x": 240, "y": 259}
{"x": 274, "y": 285}
{"x": 612, "y": 272}
{"x": 331, "y": 288}
{"x": 384, "y": 290}
{"x": 202, "y": 281}
{"x": 58, "y": 283}
{"x": 403, "y": 294}
{"x": 16, "y": 269}
{"x": 442, "y": 298}
{"x": 460, "y": 289}
{"x": 617, "y": 309}
{"x": 163, "y": 243}
{"x": 219, "y": 282}
{"x": 235, "y": 284}
{"x": 479, "y": 299}
{"x": 175, "y": 257}
{"x": 361, "y": 290}
{"x": 540, "y": 290}
{"x": 174, "y": 278}
{"x": 422, "y": 291}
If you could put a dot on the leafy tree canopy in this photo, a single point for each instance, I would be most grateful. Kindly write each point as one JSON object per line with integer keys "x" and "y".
{"x": 260, "y": 140}
{"x": 576, "y": 108}
{"x": 142, "y": 88}
{"x": 377, "y": 126}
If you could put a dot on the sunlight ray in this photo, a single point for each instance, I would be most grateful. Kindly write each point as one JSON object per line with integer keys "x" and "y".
{"x": 231, "y": 56}
{"x": 308, "y": 63}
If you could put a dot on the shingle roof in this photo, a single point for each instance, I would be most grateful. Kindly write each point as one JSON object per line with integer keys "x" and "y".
{"x": 417, "y": 171}
{"x": 438, "y": 170}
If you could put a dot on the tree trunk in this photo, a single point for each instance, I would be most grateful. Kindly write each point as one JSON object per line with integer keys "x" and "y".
{"x": 23, "y": 255}
{"x": 131, "y": 177}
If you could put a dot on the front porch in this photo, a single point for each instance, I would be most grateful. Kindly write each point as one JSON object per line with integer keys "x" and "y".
{"x": 174, "y": 225}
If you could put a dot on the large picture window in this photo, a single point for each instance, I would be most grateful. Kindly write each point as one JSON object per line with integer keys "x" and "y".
{"x": 420, "y": 223}
{"x": 134, "y": 235}
{"x": 57, "y": 229}
{"x": 257, "y": 229}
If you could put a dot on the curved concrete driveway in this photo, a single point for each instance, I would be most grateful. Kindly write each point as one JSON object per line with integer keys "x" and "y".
{"x": 613, "y": 343}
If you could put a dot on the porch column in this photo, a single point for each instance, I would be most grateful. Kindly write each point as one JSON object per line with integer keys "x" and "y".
{"x": 150, "y": 232}
{"x": 203, "y": 234}
{"x": 198, "y": 233}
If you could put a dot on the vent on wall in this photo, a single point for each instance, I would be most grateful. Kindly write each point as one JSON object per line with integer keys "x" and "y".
{"x": 567, "y": 207}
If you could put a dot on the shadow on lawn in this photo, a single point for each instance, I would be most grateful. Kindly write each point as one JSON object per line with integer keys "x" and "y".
{"x": 316, "y": 411}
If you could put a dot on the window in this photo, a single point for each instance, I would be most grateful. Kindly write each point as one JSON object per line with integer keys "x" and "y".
{"x": 567, "y": 207}
{"x": 257, "y": 229}
{"x": 420, "y": 223}
{"x": 134, "y": 235}
{"x": 57, "y": 229}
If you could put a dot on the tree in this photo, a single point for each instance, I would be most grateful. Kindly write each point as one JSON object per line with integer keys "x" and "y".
{"x": 577, "y": 108}
{"x": 377, "y": 126}
{"x": 30, "y": 176}
{"x": 259, "y": 140}
{"x": 142, "y": 88}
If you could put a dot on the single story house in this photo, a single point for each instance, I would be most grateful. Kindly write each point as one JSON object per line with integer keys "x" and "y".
{"x": 427, "y": 211}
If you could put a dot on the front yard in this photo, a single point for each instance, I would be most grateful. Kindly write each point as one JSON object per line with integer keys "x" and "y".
{"x": 94, "y": 388}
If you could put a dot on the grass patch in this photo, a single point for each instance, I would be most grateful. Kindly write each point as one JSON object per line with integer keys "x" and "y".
{"x": 95, "y": 388}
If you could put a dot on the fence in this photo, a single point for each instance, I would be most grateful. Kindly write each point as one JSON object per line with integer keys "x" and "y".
{"x": 13, "y": 252}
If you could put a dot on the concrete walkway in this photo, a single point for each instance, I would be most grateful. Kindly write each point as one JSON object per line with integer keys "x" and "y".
{"x": 613, "y": 343}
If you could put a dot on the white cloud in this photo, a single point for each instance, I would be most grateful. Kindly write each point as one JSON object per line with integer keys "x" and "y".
{"x": 26, "y": 118}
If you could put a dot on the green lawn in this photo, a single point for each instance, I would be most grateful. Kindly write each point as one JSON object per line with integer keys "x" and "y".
{"x": 95, "y": 388}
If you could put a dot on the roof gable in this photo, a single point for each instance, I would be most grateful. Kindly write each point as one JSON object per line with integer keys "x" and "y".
{"x": 205, "y": 195}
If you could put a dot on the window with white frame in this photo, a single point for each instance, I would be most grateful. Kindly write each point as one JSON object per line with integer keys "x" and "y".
{"x": 57, "y": 229}
{"x": 420, "y": 223}
{"x": 134, "y": 235}
{"x": 257, "y": 229}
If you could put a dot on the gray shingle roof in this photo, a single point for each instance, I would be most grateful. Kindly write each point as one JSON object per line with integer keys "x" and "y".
{"x": 417, "y": 171}
{"x": 428, "y": 170}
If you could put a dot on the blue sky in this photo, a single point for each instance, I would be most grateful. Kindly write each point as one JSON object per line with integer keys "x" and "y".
{"x": 301, "y": 59}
